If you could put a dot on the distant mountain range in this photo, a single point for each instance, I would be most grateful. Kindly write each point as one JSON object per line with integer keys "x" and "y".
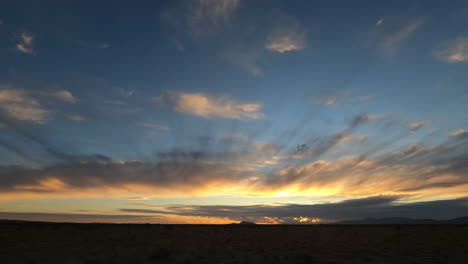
{"x": 403, "y": 221}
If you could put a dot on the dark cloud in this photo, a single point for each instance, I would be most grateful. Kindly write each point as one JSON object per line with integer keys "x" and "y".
{"x": 375, "y": 207}
{"x": 190, "y": 176}
{"x": 360, "y": 120}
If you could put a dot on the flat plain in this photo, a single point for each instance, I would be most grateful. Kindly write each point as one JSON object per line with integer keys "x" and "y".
{"x": 154, "y": 243}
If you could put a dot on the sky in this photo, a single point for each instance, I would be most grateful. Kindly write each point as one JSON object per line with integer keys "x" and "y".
{"x": 219, "y": 111}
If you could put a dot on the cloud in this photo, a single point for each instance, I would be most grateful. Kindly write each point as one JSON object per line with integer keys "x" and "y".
{"x": 338, "y": 97}
{"x": 137, "y": 198}
{"x": 460, "y": 133}
{"x": 64, "y": 95}
{"x": 213, "y": 10}
{"x": 380, "y": 22}
{"x": 286, "y": 36}
{"x": 151, "y": 125}
{"x": 20, "y": 105}
{"x": 74, "y": 117}
{"x": 418, "y": 170}
{"x": 61, "y": 95}
{"x": 209, "y": 106}
{"x": 417, "y": 125}
{"x": 201, "y": 17}
{"x": 177, "y": 172}
{"x": 25, "y": 44}
{"x": 368, "y": 207}
{"x": 315, "y": 147}
{"x": 247, "y": 59}
{"x": 363, "y": 119}
{"x": 266, "y": 147}
{"x": 248, "y": 167}
{"x": 453, "y": 51}
{"x": 390, "y": 42}
{"x": 23, "y": 105}
{"x": 242, "y": 39}
{"x": 95, "y": 175}
{"x": 328, "y": 144}
{"x": 326, "y": 100}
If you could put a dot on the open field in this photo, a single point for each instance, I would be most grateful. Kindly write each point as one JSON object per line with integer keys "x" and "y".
{"x": 123, "y": 243}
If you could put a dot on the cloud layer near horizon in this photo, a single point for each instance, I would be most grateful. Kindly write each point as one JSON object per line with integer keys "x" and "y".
{"x": 260, "y": 169}
{"x": 370, "y": 207}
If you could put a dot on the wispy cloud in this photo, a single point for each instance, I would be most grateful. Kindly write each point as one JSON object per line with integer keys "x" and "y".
{"x": 24, "y": 105}
{"x": 247, "y": 59}
{"x": 25, "y": 44}
{"x": 209, "y": 106}
{"x": 20, "y": 105}
{"x": 213, "y": 10}
{"x": 391, "y": 41}
{"x": 379, "y": 22}
{"x": 201, "y": 17}
{"x": 338, "y": 97}
{"x": 453, "y": 51}
{"x": 286, "y": 36}
{"x": 417, "y": 125}
{"x": 74, "y": 117}
{"x": 61, "y": 95}
{"x": 241, "y": 40}
{"x": 152, "y": 125}
{"x": 460, "y": 133}
{"x": 137, "y": 198}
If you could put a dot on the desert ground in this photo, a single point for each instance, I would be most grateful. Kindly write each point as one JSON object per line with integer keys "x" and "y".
{"x": 148, "y": 243}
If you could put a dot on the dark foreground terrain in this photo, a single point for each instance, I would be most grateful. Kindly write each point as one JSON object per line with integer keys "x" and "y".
{"x": 107, "y": 243}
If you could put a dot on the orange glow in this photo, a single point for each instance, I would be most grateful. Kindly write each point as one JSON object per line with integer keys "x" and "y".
{"x": 307, "y": 219}
{"x": 49, "y": 184}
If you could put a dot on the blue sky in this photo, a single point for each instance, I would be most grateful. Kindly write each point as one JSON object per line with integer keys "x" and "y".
{"x": 230, "y": 103}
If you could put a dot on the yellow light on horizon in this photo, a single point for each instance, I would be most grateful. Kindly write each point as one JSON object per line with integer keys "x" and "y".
{"x": 307, "y": 219}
